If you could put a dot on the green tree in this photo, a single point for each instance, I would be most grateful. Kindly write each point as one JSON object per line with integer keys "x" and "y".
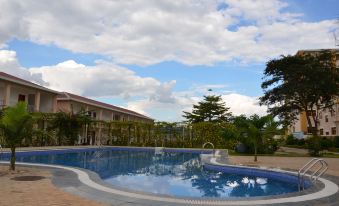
{"x": 16, "y": 124}
{"x": 256, "y": 129}
{"x": 294, "y": 84}
{"x": 211, "y": 109}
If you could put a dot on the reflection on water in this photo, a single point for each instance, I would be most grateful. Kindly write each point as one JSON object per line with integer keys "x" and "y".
{"x": 175, "y": 174}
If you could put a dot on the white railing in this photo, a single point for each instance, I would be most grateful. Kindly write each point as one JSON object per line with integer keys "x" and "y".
{"x": 323, "y": 166}
{"x": 1, "y": 151}
{"x": 209, "y": 143}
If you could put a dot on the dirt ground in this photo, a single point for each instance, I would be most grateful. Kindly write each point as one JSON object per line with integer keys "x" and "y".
{"x": 33, "y": 187}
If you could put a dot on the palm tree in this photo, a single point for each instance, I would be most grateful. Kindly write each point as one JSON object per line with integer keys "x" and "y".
{"x": 16, "y": 124}
{"x": 256, "y": 129}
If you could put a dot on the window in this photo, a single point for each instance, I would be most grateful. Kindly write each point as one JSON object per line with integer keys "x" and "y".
{"x": 21, "y": 98}
{"x": 321, "y": 131}
{"x": 327, "y": 133}
{"x": 320, "y": 115}
{"x": 326, "y": 118}
{"x": 310, "y": 113}
{"x": 310, "y": 129}
{"x": 334, "y": 130}
{"x": 94, "y": 114}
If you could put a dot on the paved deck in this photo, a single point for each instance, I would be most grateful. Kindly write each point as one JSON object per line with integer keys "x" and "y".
{"x": 60, "y": 187}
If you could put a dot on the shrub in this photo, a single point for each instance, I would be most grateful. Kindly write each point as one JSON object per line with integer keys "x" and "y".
{"x": 336, "y": 141}
{"x": 326, "y": 143}
{"x": 291, "y": 140}
{"x": 314, "y": 146}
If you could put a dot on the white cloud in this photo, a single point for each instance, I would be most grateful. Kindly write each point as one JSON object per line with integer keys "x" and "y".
{"x": 239, "y": 104}
{"x": 148, "y": 32}
{"x": 242, "y": 104}
{"x": 102, "y": 80}
{"x": 105, "y": 79}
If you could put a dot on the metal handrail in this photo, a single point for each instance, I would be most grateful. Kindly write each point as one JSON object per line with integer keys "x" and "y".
{"x": 315, "y": 175}
{"x": 209, "y": 143}
{"x": 1, "y": 150}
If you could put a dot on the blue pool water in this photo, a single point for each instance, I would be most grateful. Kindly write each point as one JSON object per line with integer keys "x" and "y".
{"x": 170, "y": 173}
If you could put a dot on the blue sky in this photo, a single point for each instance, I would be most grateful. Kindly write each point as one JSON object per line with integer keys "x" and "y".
{"x": 164, "y": 68}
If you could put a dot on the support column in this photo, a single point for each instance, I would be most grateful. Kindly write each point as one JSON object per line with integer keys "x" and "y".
{"x": 100, "y": 126}
{"x": 37, "y": 102}
{"x": 7, "y": 95}
{"x": 55, "y": 105}
{"x": 112, "y": 116}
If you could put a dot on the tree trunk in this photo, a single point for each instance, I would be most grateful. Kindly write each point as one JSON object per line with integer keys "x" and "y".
{"x": 13, "y": 158}
{"x": 255, "y": 153}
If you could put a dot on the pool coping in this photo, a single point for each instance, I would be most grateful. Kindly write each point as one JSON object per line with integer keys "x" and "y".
{"x": 86, "y": 178}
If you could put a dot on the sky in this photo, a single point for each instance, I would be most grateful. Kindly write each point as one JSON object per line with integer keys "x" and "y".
{"x": 159, "y": 57}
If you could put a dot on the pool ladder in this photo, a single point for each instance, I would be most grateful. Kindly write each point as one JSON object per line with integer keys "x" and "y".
{"x": 209, "y": 143}
{"x": 323, "y": 166}
{"x": 1, "y": 151}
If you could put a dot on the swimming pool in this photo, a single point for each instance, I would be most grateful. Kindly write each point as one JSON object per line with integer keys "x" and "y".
{"x": 176, "y": 173}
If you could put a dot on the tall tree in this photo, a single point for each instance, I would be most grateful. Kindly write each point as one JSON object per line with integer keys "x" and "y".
{"x": 16, "y": 124}
{"x": 300, "y": 83}
{"x": 211, "y": 109}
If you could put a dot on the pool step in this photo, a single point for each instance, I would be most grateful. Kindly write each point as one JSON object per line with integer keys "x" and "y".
{"x": 220, "y": 155}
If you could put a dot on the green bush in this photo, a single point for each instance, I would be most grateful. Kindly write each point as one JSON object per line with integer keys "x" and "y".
{"x": 326, "y": 143}
{"x": 290, "y": 140}
{"x": 336, "y": 141}
{"x": 314, "y": 146}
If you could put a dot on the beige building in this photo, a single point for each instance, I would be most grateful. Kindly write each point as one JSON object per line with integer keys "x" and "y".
{"x": 328, "y": 123}
{"x": 41, "y": 99}
{"x": 38, "y": 98}
{"x": 100, "y": 111}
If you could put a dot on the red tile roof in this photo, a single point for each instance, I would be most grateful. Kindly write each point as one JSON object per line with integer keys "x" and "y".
{"x": 74, "y": 97}
{"x": 18, "y": 80}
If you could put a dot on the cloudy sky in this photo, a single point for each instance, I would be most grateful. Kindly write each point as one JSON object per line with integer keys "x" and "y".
{"x": 158, "y": 57}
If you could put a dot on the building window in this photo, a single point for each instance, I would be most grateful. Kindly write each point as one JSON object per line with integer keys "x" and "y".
{"x": 327, "y": 133}
{"x": 94, "y": 114}
{"x": 321, "y": 131}
{"x": 310, "y": 130}
{"x": 320, "y": 115}
{"x": 334, "y": 130}
{"x": 310, "y": 113}
{"x": 21, "y": 98}
{"x": 326, "y": 118}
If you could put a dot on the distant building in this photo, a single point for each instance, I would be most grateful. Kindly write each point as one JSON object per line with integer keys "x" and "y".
{"x": 328, "y": 124}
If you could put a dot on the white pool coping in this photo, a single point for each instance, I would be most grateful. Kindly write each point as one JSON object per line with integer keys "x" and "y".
{"x": 329, "y": 189}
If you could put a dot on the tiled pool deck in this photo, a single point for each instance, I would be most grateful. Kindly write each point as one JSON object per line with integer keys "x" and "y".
{"x": 68, "y": 181}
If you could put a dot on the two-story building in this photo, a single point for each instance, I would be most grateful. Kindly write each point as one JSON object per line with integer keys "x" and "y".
{"x": 100, "y": 111}
{"x": 38, "y": 98}
{"x": 41, "y": 99}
